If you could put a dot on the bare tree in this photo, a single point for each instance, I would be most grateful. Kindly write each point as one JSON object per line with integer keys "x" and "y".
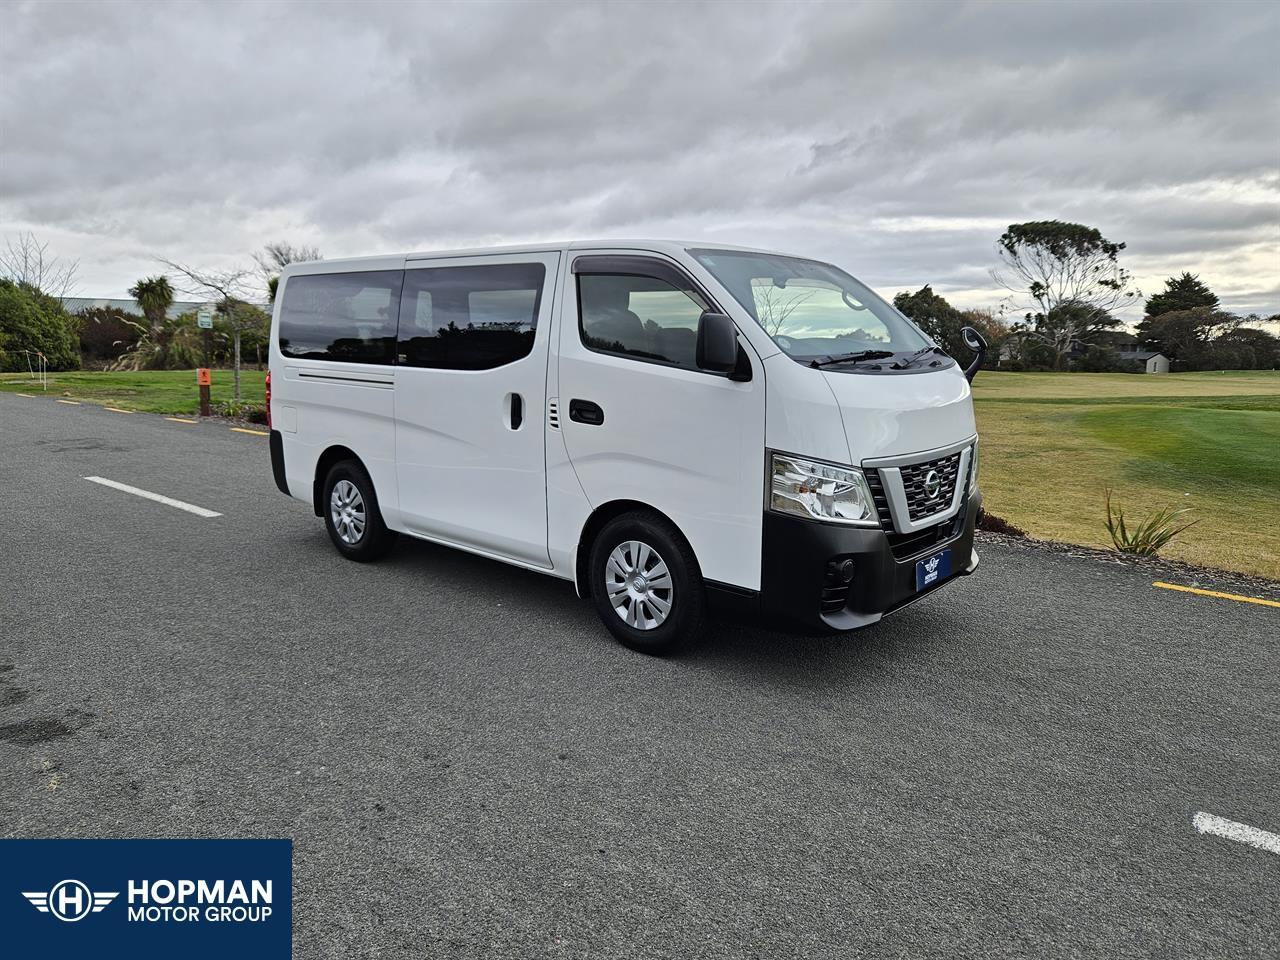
{"x": 226, "y": 288}
{"x": 27, "y": 260}
{"x": 274, "y": 257}
{"x": 774, "y": 311}
{"x": 1067, "y": 276}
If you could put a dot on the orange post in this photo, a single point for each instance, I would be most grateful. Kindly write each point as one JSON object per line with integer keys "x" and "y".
{"x": 204, "y": 379}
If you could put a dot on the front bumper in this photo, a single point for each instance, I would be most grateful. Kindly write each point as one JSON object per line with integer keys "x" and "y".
{"x": 796, "y": 555}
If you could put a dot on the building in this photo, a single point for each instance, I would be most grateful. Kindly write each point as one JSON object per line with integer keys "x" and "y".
{"x": 176, "y": 309}
{"x": 1153, "y": 361}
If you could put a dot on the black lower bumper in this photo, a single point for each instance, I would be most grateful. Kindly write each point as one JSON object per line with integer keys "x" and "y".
{"x": 276, "y": 443}
{"x": 799, "y": 592}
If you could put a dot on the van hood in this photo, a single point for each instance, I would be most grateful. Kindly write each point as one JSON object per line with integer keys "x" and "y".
{"x": 890, "y": 414}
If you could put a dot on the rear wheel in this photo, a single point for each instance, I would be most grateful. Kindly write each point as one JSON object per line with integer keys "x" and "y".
{"x": 351, "y": 513}
{"x": 646, "y": 585}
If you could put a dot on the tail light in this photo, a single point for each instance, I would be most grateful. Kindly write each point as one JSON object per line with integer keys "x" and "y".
{"x": 268, "y": 399}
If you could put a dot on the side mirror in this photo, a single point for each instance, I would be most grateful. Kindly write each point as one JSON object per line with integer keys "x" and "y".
{"x": 717, "y": 348}
{"x": 975, "y": 342}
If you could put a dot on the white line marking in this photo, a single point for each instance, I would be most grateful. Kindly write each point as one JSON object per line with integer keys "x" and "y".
{"x": 1221, "y": 827}
{"x": 167, "y": 501}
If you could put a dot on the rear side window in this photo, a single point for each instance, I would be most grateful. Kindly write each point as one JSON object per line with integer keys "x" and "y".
{"x": 641, "y": 317}
{"x": 469, "y": 318}
{"x": 346, "y": 317}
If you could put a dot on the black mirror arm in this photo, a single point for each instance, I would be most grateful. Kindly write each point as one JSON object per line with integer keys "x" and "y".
{"x": 978, "y": 344}
{"x": 975, "y": 365}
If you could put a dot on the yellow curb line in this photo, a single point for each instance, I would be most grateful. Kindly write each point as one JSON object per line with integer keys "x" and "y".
{"x": 117, "y": 410}
{"x": 1214, "y": 593}
{"x": 29, "y": 396}
{"x": 74, "y": 403}
{"x": 181, "y": 420}
{"x": 256, "y": 433}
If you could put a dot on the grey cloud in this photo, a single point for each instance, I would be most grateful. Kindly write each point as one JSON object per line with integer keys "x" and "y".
{"x": 895, "y": 139}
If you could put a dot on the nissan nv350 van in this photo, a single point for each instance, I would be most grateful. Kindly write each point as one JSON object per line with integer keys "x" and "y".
{"x": 678, "y": 429}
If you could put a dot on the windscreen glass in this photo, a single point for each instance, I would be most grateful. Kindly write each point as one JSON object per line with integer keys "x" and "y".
{"x": 812, "y": 310}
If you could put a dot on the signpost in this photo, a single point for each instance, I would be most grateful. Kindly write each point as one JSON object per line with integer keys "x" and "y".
{"x": 204, "y": 376}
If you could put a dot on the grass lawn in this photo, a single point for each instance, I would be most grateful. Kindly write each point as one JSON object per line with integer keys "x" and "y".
{"x": 1053, "y": 442}
{"x": 150, "y": 391}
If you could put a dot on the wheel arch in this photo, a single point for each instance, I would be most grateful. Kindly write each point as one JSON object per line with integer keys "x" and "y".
{"x": 331, "y": 456}
{"x": 600, "y": 516}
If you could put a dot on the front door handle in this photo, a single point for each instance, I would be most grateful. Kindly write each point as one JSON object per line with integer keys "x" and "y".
{"x": 584, "y": 411}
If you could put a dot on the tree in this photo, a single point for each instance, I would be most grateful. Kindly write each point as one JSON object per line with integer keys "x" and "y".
{"x": 1247, "y": 348}
{"x": 27, "y": 261}
{"x": 1186, "y": 335}
{"x": 932, "y": 314}
{"x": 1068, "y": 327}
{"x": 226, "y": 288}
{"x": 155, "y": 297}
{"x": 1181, "y": 293}
{"x": 274, "y": 257}
{"x": 32, "y": 324}
{"x": 1048, "y": 264}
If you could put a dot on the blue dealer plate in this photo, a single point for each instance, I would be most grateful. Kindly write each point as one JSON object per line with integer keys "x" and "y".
{"x": 932, "y": 570}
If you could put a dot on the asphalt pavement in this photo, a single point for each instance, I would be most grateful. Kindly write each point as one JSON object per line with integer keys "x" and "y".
{"x": 469, "y": 766}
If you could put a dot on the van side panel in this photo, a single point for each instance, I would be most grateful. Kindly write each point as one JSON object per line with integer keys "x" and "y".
{"x": 319, "y": 404}
{"x": 567, "y": 505}
{"x": 335, "y": 409}
{"x": 688, "y": 443}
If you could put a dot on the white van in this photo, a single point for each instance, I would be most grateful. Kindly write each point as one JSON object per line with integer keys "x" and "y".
{"x": 677, "y": 428}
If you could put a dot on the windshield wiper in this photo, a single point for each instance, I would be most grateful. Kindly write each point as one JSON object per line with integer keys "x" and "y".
{"x": 922, "y": 353}
{"x": 851, "y": 357}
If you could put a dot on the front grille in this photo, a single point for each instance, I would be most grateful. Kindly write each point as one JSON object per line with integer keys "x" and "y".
{"x": 920, "y": 504}
{"x": 904, "y": 545}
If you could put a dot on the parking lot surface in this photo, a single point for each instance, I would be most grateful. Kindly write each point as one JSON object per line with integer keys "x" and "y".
{"x": 469, "y": 766}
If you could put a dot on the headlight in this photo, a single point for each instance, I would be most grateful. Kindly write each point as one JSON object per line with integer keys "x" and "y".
{"x": 973, "y": 470}
{"x": 819, "y": 491}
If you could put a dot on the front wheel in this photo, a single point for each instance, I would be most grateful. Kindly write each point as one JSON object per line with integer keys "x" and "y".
{"x": 351, "y": 513}
{"x": 646, "y": 585}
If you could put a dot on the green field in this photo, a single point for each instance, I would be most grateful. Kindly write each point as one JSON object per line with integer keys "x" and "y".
{"x": 149, "y": 391}
{"x": 1051, "y": 444}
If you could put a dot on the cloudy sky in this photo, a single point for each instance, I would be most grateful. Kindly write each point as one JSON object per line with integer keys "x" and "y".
{"x": 897, "y": 139}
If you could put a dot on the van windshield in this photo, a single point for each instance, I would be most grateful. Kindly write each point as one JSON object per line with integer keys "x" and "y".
{"x": 812, "y": 310}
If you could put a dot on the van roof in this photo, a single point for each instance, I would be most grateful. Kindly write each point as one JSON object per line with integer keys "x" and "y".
{"x": 670, "y": 247}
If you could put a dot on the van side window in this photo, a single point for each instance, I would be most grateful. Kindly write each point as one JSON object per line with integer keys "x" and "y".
{"x": 469, "y": 318}
{"x": 641, "y": 317}
{"x": 345, "y": 317}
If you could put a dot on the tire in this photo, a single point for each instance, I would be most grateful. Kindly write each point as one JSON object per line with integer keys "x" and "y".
{"x": 668, "y": 575}
{"x": 348, "y": 489}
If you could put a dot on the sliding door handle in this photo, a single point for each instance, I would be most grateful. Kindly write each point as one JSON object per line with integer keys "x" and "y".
{"x": 584, "y": 411}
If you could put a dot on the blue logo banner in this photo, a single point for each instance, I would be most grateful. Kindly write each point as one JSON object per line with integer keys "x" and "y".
{"x": 147, "y": 898}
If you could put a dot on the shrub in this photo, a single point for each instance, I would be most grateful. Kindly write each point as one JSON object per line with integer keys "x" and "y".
{"x": 106, "y": 333}
{"x": 242, "y": 410}
{"x": 1148, "y": 537}
{"x": 992, "y": 524}
{"x": 33, "y": 321}
{"x": 179, "y": 346}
